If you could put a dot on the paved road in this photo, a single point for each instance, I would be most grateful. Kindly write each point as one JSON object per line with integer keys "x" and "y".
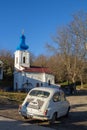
{"x": 77, "y": 119}
{"x": 9, "y": 124}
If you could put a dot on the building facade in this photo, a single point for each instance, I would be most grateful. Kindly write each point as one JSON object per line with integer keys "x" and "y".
{"x": 26, "y": 76}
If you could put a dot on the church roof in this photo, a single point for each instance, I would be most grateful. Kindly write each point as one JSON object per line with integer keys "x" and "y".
{"x": 22, "y": 46}
{"x": 38, "y": 69}
{"x": 35, "y": 69}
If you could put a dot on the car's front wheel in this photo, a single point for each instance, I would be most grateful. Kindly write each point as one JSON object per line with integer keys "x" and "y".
{"x": 67, "y": 114}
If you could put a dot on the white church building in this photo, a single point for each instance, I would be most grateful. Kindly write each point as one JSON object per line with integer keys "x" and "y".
{"x": 26, "y": 76}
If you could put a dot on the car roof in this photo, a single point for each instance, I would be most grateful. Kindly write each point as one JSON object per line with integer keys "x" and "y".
{"x": 48, "y": 89}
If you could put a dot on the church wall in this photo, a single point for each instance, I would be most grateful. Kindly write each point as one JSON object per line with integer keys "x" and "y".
{"x": 49, "y": 77}
{"x": 34, "y": 78}
{"x": 24, "y": 79}
{"x": 19, "y": 59}
{"x": 21, "y": 78}
{"x": 16, "y": 80}
{"x": 37, "y": 76}
{"x": 27, "y": 60}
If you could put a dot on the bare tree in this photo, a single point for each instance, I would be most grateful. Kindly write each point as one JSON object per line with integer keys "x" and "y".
{"x": 41, "y": 60}
{"x": 78, "y": 31}
{"x": 70, "y": 41}
{"x": 7, "y": 58}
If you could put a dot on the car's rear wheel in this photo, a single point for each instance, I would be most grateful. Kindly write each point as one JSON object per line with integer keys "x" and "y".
{"x": 53, "y": 119}
{"x": 25, "y": 117}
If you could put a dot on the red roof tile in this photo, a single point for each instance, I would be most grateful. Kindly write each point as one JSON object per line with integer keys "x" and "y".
{"x": 38, "y": 70}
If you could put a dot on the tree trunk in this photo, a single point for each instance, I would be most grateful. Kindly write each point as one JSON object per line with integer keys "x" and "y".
{"x": 81, "y": 83}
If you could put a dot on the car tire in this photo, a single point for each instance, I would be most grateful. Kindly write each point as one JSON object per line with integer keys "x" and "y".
{"x": 25, "y": 117}
{"x": 67, "y": 114}
{"x": 53, "y": 119}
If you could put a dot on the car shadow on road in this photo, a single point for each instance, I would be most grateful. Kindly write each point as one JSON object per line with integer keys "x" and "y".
{"x": 79, "y": 105}
{"x": 76, "y": 120}
{"x": 7, "y": 106}
{"x": 8, "y": 124}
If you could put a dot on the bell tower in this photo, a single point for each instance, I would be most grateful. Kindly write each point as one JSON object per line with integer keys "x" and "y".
{"x": 22, "y": 56}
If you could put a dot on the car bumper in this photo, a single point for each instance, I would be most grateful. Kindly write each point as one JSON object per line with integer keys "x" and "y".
{"x": 34, "y": 116}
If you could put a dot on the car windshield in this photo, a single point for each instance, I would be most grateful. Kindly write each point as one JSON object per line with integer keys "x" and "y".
{"x": 39, "y": 93}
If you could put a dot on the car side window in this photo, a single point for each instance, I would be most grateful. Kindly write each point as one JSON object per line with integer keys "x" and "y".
{"x": 56, "y": 97}
{"x": 62, "y": 96}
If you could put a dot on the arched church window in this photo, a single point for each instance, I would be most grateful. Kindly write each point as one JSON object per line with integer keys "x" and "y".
{"x": 49, "y": 82}
{"x": 23, "y": 59}
{"x": 37, "y": 84}
{"x": 41, "y": 84}
{"x": 27, "y": 82}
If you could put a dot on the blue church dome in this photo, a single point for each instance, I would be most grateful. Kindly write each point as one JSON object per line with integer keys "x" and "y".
{"x": 22, "y": 45}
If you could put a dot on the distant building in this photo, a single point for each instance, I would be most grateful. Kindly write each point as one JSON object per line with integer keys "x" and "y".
{"x": 1, "y": 70}
{"x": 25, "y": 75}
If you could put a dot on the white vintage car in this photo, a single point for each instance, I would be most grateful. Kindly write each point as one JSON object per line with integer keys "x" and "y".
{"x": 45, "y": 103}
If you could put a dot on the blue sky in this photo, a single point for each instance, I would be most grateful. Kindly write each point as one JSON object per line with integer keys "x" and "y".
{"x": 39, "y": 19}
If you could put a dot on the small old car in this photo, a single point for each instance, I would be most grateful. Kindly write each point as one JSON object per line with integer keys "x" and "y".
{"x": 45, "y": 103}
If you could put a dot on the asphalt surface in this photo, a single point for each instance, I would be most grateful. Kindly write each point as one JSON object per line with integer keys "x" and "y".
{"x": 10, "y": 124}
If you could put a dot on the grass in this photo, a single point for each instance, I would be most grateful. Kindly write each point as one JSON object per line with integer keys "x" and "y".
{"x": 83, "y": 87}
{"x": 64, "y": 84}
{"x": 18, "y": 97}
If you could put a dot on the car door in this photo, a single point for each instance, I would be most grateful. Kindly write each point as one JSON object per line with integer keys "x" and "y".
{"x": 57, "y": 104}
{"x": 63, "y": 103}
